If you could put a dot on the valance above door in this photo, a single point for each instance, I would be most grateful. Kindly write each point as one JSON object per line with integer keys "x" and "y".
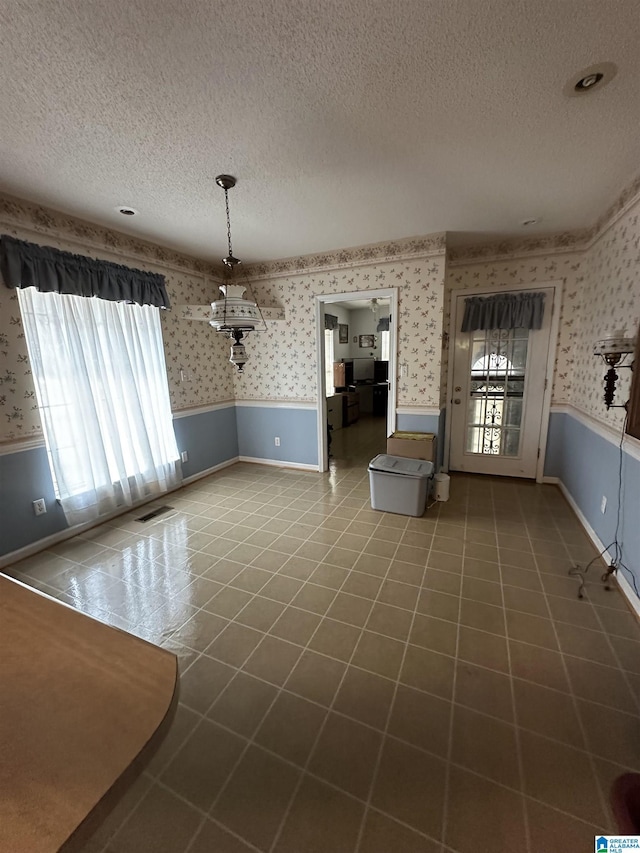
{"x": 503, "y": 311}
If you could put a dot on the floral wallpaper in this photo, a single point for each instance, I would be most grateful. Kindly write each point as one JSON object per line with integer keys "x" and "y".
{"x": 610, "y": 302}
{"x": 535, "y": 271}
{"x": 198, "y": 370}
{"x": 282, "y": 360}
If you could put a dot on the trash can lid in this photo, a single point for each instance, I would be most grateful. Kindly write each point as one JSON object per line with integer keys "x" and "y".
{"x": 401, "y": 465}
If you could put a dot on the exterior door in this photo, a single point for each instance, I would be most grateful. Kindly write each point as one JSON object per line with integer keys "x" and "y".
{"x": 499, "y": 380}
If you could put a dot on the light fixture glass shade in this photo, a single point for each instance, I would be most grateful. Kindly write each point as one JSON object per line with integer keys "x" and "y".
{"x": 234, "y": 312}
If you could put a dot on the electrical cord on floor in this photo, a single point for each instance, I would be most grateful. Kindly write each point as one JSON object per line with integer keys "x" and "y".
{"x": 616, "y": 556}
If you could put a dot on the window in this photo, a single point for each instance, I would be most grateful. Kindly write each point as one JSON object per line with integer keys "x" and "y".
{"x": 328, "y": 361}
{"x": 384, "y": 346}
{"x": 101, "y": 383}
{"x": 633, "y": 419}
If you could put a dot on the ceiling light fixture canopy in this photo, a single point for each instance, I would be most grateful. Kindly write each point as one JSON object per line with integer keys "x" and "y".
{"x": 234, "y": 315}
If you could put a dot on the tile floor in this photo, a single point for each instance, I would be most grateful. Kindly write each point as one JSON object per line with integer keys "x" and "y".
{"x": 360, "y": 681}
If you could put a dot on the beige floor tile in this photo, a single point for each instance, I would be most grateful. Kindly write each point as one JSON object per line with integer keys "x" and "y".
{"x": 628, "y": 652}
{"x": 585, "y": 643}
{"x": 365, "y": 697}
{"x": 212, "y": 837}
{"x": 329, "y": 576}
{"x": 234, "y": 645}
{"x": 531, "y": 629}
{"x": 435, "y": 634}
{"x": 316, "y": 677}
{"x": 428, "y": 671}
{"x": 346, "y": 755}
{"x": 162, "y": 823}
{"x": 390, "y": 621}
{"x": 291, "y": 727}
{"x": 486, "y": 592}
{"x": 481, "y": 569}
{"x": 601, "y": 684}
{"x": 250, "y": 579}
{"x": 223, "y": 571}
{"x": 351, "y": 609}
{"x": 520, "y": 559}
{"x": 260, "y": 613}
{"x": 421, "y": 719}
{"x": 203, "y": 682}
{"x": 526, "y": 601}
{"x": 377, "y": 547}
{"x": 410, "y": 787}
{"x": 546, "y": 823}
{"x": 484, "y": 617}
{"x": 560, "y": 776}
{"x": 297, "y": 567}
{"x": 382, "y": 834}
{"x": 484, "y": 690}
{"x": 228, "y": 602}
{"x": 444, "y": 561}
{"x": 184, "y": 722}
{"x": 539, "y": 665}
{"x": 399, "y": 594}
{"x": 438, "y": 604}
{"x": 378, "y": 654}
{"x": 483, "y": 817}
{"x": 580, "y": 613}
{"x": 255, "y": 799}
{"x": 486, "y": 746}
{"x": 547, "y": 712}
{"x": 405, "y": 573}
{"x": 315, "y": 598}
{"x": 482, "y": 648}
{"x": 365, "y": 585}
{"x": 335, "y": 639}
{"x": 442, "y": 581}
{"x": 320, "y": 820}
{"x": 446, "y": 544}
{"x": 273, "y": 660}
{"x": 522, "y": 578}
{"x": 243, "y": 704}
{"x": 192, "y": 774}
{"x": 618, "y": 624}
{"x": 377, "y": 567}
{"x": 281, "y": 588}
{"x": 296, "y": 626}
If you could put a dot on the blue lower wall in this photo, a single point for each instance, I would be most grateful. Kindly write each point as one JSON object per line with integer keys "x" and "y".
{"x": 24, "y": 477}
{"x": 297, "y": 429}
{"x": 425, "y": 423}
{"x": 588, "y": 465}
{"x": 209, "y": 437}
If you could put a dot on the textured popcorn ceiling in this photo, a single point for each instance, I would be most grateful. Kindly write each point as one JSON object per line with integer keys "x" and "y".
{"x": 346, "y": 121}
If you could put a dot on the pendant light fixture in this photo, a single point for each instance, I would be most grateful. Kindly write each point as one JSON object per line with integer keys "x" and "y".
{"x": 234, "y": 315}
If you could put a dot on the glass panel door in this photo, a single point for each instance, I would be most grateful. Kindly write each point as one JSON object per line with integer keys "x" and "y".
{"x": 496, "y": 392}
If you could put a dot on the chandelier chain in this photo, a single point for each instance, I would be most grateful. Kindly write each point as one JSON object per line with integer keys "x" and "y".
{"x": 226, "y": 201}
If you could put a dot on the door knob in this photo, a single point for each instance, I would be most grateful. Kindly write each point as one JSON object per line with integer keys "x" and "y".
{"x": 457, "y": 401}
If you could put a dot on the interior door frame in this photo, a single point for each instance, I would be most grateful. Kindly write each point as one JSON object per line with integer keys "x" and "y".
{"x": 390, "y": 293}
{"x": 490, "y": 290}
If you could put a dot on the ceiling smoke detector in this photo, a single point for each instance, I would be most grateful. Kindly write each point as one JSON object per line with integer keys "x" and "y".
{"x": 126, "y": 211}
{"x": 593, "y": 77}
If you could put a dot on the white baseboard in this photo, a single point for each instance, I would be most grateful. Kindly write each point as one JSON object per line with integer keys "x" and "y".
{"x": 277, "y": 463}
{"x": 208, "y": 471}
{"x": 554, "y": 481}
{"x": 623, "y": 584}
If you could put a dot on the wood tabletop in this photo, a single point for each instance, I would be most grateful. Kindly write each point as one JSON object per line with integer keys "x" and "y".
{"x": 80, "y": 703}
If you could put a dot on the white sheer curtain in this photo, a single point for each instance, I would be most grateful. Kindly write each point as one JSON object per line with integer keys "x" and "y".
{"x": 101, "y": 382}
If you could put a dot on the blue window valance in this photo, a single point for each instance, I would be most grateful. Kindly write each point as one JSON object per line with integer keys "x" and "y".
{"x": 330, "y": 322}
{"x": 50, "y": 270}
{"x": 503, "y": 311}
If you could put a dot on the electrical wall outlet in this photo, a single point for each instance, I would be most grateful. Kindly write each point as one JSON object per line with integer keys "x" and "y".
{"x": 277, "y": 441}
{"x": 603, "y": 504}
{"x": 39, "y": 506}
{"x": 184, "y": 456}
{"x": 404, "y": 370}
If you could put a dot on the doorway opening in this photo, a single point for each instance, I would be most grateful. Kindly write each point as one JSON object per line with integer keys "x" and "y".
{"x": 356, "y": 347}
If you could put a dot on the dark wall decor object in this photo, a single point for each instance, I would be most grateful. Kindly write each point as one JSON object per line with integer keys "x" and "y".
{"x": 367, "y": 341}
{"x": 343, "y": 333}
{"x": 633, "y": 416}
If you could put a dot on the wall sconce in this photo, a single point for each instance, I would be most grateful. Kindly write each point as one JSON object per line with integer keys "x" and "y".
{"x": 613, "y": 352}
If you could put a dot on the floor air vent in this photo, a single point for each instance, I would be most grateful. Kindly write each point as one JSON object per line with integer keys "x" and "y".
{"x": 154, "y": 513}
